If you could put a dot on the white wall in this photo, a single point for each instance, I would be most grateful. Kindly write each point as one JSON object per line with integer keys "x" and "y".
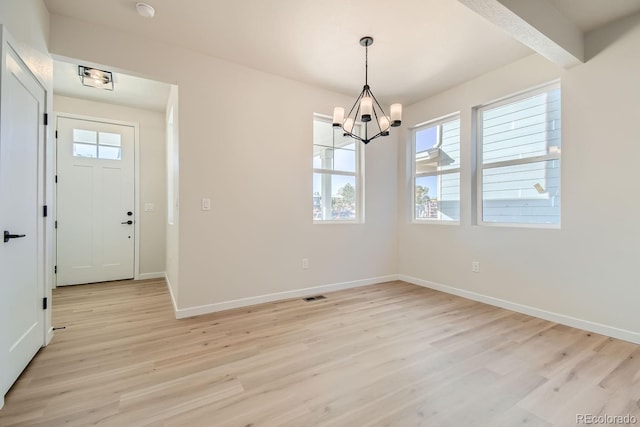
{"x": 152, "y": 173}
{"x": 172, "y": 252}
{"x": 585, "y": 270}
{"x": 28, "y": 23}
{"x": 246, "y": 143}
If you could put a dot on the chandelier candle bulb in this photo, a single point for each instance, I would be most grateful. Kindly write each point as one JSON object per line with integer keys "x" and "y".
{"x": 348, "y": 125}
{"x": 384, "y": 124}
{"x": 396, "y": 115}
{"x": 366, "y": 108}
{"x": 338, "y": 116}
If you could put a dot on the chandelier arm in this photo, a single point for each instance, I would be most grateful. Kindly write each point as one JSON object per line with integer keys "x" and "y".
{"x": 357, "y": 103}
{"x": 354, "y": 136}
{"x": 375, "y": 113}
{"x": 378, "y": 135}
{"x": 377, "y": 103}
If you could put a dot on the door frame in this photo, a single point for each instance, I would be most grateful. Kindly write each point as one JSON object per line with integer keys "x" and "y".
{"x": 136, "y": 183}
{"x": 43, "y": 229}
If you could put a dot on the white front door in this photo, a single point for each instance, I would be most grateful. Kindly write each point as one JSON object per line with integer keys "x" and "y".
{"x": 22, "y": 107}
{"x": 95, "y": 201}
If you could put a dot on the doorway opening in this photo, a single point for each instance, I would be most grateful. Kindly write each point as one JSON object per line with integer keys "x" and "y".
{"x": 111, "y": 189}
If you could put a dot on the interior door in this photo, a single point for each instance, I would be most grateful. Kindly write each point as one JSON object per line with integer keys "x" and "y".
{"x": 22, "y": 130}
{"x": 95, "y": 201}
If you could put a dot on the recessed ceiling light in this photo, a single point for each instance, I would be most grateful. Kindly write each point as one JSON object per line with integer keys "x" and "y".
{"x": 145, "y": 10}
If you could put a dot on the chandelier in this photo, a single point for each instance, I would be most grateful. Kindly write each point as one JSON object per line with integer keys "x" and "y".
{"x": 367, "y": 109}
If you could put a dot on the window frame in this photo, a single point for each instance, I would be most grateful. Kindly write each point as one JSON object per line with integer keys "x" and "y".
{"x": 480, "y": 166}
{"x": 414, "y": 130}
{"x": 358, "y": 174}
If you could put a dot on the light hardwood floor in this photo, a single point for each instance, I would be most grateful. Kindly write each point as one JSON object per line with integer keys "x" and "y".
{"x": 385, "y": 355}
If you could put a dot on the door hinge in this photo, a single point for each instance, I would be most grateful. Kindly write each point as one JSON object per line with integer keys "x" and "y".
{"x": 56, "y": 179}
{"x": 55, "y": 269}
{"x": 56, "y": 134}
{"x": 44, "y": 303}
{"x": 44, "y": 210}
{"x": 46, "y": 119}
{"x": 55, "y": 224}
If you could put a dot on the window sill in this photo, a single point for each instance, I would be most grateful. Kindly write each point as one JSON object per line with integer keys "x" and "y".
{"x": 434, "y": 222}
{"x": 518, "y": 225}
{"x": 353, "y": 222}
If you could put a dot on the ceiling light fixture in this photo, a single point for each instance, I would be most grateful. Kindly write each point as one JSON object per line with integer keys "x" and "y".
{"x": 367, "y": 108}
{"x": 145, "y": 10}
{"x": 93, "y": 77}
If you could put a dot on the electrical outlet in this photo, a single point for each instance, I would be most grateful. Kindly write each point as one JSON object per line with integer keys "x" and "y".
{"x": 475, "y": 266}
{"x": 149, "y": 207}
{"x": 305, "y": 263}
{"x": 206, "y": 204}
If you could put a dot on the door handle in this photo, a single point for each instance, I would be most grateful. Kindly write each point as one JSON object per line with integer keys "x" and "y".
{"x": 8, "y": 235}
{"x": 127, "y": 222}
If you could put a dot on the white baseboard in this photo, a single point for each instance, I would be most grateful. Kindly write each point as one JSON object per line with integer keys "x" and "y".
{"x": 598, "y": 328}
{"x": 49, "y": 336}
{"x": 156, "y": 275}
{"x": 298, "y": 293}
{"x": 173, "y": 298}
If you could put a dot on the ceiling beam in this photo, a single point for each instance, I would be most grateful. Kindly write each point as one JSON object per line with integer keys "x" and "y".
{"x": 536, "y": 24}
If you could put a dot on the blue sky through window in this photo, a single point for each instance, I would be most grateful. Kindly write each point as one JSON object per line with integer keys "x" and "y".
{"x": 426, "y": 139}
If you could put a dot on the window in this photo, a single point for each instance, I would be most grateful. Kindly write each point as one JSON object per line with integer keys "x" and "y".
{"x": 337, "y": 183}
{"x": 97, "y": 145}
{"x": 519, "y": 168}
{"x": 436, "y": 170}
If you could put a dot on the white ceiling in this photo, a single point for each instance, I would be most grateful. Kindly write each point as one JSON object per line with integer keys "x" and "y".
{"x": 421, "y": 46}
{"x": 591, "y": 14}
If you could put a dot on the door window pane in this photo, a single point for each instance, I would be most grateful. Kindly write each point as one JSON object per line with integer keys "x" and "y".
{"x": 84, "y": 150}
{"x": 86, "y": 136}
{"x": 110, "y": 139}
{"x": 109, "y": 153}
